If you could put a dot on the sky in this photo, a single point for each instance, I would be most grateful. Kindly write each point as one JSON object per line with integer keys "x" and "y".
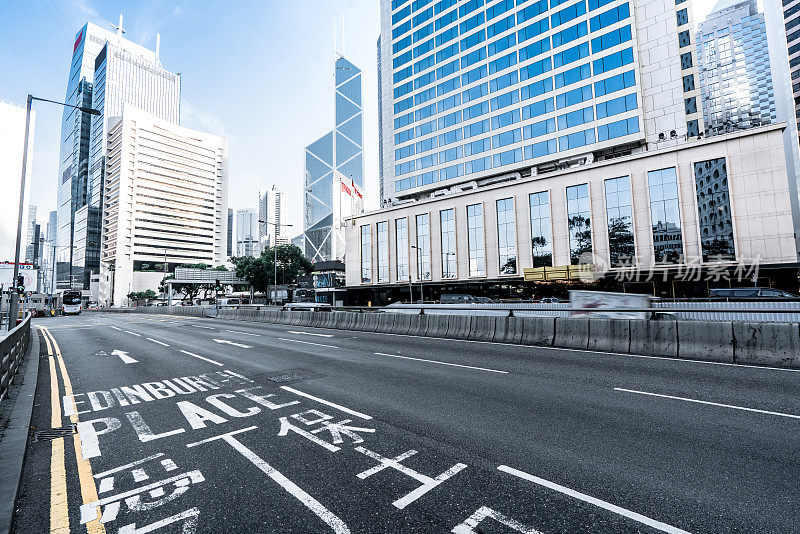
{"x": 257, "y": 72}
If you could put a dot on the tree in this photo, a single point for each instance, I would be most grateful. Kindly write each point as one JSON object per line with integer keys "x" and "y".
{"x": 260, "y": 271}
{"x": 190, "y": 291}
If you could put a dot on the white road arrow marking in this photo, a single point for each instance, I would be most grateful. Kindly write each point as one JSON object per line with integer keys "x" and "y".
{"x": 226, "y": 342}
{"x": 124, "y": 356}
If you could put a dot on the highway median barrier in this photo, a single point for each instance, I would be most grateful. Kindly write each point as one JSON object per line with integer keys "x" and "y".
{"x": 699, "y": 340}
{"x": 654, "y": 338}
{"x": 370, "y": 323}
{"x": 459, "y": 326}
{"x": 508, "y": 330}
{"x": 610, "y": 335}
{"x": 773, "y": 344}
{"x": 385, "y": 322}
{"x": 538, "y": 331}
{"x": 402, "y": 323}
{"x": 437, "y": 325}
{"x": 572, "y": 333}
{"x": 483, "y": 327}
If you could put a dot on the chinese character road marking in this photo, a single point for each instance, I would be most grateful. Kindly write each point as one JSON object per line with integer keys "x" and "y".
{"x": 469, "y": 524}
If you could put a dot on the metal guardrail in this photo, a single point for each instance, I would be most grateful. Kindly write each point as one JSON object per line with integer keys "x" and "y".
{"x": 12, "y": 350}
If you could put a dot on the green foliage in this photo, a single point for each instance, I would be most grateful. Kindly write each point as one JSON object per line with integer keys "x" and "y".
{"x": 190, "y": 291}
{"x": 260, "y": 271}
{"x": 147, "y": 296}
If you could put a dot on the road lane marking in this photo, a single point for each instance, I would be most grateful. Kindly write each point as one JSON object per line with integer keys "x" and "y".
{"x": 442, "y": 363}
{"x": 328, "y": 517}
{"x": 226, "y": 342}
{"x": 201, "y": 357}
{"x": 780, "y": 414}
{"x": 126, "y": 466}
{"x": 115, "y": 328}
{"x": 132, "y": 333}
{"x": 156, "y": 341}
{"x": 206, "y": 327}
{"x": 59, "y": 514}
{"x": 243, "y": 333}
{"x": 124, "y": 356}
{"x": 327, "y": 403}
{"x": 307, "y": 342}
{"x": 308, "y": 333}
{"x": 85, "y": 478}
{"x": 652, "y": 523}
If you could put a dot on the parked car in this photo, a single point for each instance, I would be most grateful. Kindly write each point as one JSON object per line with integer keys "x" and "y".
{"x": 549, "y": 300}
{"x": 757, "y": 293}
{"x": 458, "y": 298}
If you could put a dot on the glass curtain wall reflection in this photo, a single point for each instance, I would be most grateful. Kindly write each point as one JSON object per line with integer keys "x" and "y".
{"x": 475, "y": 240}
{"x": 447, "y": 220}
{"x": 423, "y": 246}
{"x": 366, "y": 254}
{"x": 401, "y": 246}
{"x": 714, "y": 210}
{"x": 541, "y": 229}
{"x": 665, "y": 215}
{"x": 507, "y": 236}
{"x": 620, "y": 221}
{"x": 579, "y": 222}
{"x": 383, "y": 251}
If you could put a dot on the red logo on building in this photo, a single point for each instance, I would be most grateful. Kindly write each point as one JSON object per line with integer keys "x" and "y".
{"x": 77, "y": 41}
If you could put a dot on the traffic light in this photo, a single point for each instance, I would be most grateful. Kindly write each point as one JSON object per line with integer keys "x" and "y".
{"x": 217, "y": 285}
{"x": 20, "y": 284}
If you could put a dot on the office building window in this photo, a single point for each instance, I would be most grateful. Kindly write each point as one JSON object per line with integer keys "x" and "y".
{"x": 507, "y": 236}
{"x": 541, "y": 230}
{"x": 665, "y": 215}
{"x": 383, "y": 251}
{"x": 714, "y": 210}
{"x": 401, "y": 248}
{"x": 619, "y": 213}
{"x": 366, "y": 255}
{"x": 423, "y": 249}
{"x": 448, "y": 231}
{"x": 475, "y": 241}
{"x": 579, "y": 223}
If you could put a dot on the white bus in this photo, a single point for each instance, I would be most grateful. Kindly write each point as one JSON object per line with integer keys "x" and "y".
{"x": 71, "y": 302}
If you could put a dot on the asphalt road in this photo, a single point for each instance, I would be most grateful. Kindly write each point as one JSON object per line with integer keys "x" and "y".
{"x": 203, "y": 425}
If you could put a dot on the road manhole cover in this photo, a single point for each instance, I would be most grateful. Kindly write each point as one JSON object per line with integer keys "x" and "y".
{"x": 288, "y": 377}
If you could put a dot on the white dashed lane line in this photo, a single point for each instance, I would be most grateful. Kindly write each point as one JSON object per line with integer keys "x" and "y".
{"x": 193, "y": 355}
{"x": 156, "y": 341}
{"x": 443, "y": 363}
{"x": 307, "y": 342}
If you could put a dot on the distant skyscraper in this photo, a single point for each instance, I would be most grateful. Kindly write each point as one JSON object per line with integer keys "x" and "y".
{"x": 272, "y": 209}
{"x": 230, "y": 233}
{"x": 107, "y": 71}
{"x": 334, "y": 170}
{"x": 247, "y": 243}
{"x": 791, "y": 18}
{"x": 173, "y": 211}
{"x": 31, "y": 238}
{"x": 48, "y": 252}
{"x": 735, "y": 76}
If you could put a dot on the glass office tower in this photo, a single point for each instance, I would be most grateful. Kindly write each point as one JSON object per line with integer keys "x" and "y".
{"x": 334, "y": 170}
{"x": 735, "y": 77}
{"x": 107, "y": 71}
{"x": 487, "y": 87}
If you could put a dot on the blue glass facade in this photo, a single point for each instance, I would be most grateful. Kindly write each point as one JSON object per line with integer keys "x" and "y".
{"x": 334, "y": 168}
{"x": 491, "y": 84}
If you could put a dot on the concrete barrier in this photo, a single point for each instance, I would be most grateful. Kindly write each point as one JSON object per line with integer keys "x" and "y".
{"x": 370, "y": 322}
{"x": 538, "y": 331}
{"x": 459, "y": 326}
{"x": 572, "y": 333}
{"x": 508, "y": 330}
{"x": 483, "y": 328}
{"x": 654, "y": 338}
{"x": 437, "y": 325}
{"x": 700, "y": 341}
{"x": 385, "y": 322}
{"x": 418, "y": 325}
{"x": 402, "y": 322}
{"x": 773, "y": 344}
{"x": 358, "y": 324}
{"x": 348, "y": 321}
{"x": 610, "y": 335}
{"x": 327, "y": 320}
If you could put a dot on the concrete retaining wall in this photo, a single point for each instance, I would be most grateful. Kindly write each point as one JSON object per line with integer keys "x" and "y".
{"x": 772, "y": 344}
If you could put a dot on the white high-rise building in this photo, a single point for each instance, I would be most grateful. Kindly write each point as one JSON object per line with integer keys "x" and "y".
{"x": 272, "y": 209}
{"x": 247, "y": 243}
{"x": 165, "y": 201}
{"x": 107, "y": 71}
{"x": 30, "y": 239}
{"x": 12, "y": 136}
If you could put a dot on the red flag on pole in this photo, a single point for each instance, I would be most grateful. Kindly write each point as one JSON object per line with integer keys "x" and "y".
{"x": 346, "y": 189}
{"x": 356, "y": 189}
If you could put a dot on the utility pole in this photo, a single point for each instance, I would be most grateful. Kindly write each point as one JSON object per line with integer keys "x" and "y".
{"x": 275, "y": 250}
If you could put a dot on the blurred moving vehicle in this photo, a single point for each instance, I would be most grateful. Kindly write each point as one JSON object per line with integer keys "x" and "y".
{"x": 756, "y": 293}
{"x": 458, "y": 298}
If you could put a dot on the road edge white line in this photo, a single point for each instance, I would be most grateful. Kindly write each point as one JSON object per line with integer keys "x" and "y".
{"x": 443, "y": 363}
{"x": 327, "y": 403}
{"x": 156, "y": 341}
{"x": 301, "y": 333}
{"x": 307, "y": 342}
{"x": 686, "y": 399}
{"x": 132, "y": 333}
{"x": 652, "y": 523}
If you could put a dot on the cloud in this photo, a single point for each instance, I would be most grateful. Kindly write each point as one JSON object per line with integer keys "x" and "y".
{"x": 205, "y": 121}
{"x": 83, "y": 8}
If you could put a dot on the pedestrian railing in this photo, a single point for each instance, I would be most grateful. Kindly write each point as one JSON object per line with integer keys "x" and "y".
{"x": 12, "y": 350}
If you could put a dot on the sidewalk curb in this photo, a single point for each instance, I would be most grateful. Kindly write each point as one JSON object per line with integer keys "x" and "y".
{"x": 15, "y": 436}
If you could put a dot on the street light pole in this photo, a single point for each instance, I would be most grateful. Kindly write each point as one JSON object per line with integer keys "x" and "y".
{"x": 14, "y": 296}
